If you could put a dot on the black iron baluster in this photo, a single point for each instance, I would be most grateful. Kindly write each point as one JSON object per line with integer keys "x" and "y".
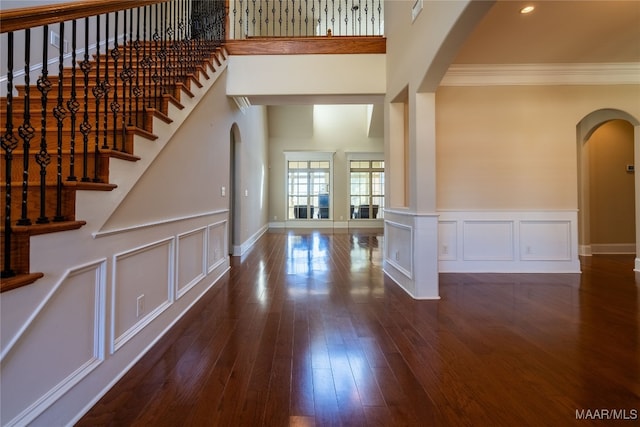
{"x": 171, "y": 33}
{"x": 124, "y": 77}
{"x": 156, "y": 40}
{"x": 346, "y": 18}
{"x": 380, "y": 17}
{"x": 273, "y": 9}
{"x": 72, "y": 105}
{"x": 326, "y": 17}
{"x": 163, "y": 49}
{"x": 115, "y": 106}
{"x": 260, "y": 20}
{"x": 146, "y": 61}
{"x": 253, "y": 18}
{"x": 43, "y": 158}
{"x": 268, "y": 21}
{"x": 366, "y": 17}
{"x": 106, "y": 87}
{"x": 26, "y": 131}
{"x": 246, "y": 32}
{"x": 359, "y": 17}
{"x": 138, "y": 46}
{"x": 286, "y": 12}
{"x": 60, "y": 114}
{"x": 98, "y": 93}
{"x": 85, "y": 127}
{"x": 333, "y": 15}
{"x": 9, "y": 143}
{"x": 130, "y": 71}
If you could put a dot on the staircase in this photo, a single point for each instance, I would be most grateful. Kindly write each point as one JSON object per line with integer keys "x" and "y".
{"x": 59, "y": 134}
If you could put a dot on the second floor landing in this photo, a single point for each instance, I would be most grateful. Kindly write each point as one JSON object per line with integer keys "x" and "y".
{"x": 321, "y": 70}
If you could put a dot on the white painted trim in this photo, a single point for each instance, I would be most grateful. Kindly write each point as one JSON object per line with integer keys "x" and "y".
{"x": 56, "y": 392}
{"x": 537, "y": 242}
{"x": 117, "y": 342}
{"x": 542, "y": 74}
{"x": 224, "y": 223}
{"x": 101, "y": 264}
{"x": 387, "y": 258}
{"x": 136, "y": 359}
{"x": 637, "y": 266}
{"x": 157, "y": 223}
{"x": 584, "y": 250}
{"x": 248, "y": 244}
{"x": 407, "y": 291}
{"x": 36, "y": 408}
{"x": 203, "y": 272}
{"x": 613, "y": 248}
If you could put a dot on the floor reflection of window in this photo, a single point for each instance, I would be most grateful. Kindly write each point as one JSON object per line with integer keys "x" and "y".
{"x": 307, "y": 254}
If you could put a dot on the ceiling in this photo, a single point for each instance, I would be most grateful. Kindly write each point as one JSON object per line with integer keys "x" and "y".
{"x": 556, "y": 32}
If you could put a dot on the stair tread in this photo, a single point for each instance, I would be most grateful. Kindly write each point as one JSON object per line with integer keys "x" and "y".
{"x": 19, "y": 280}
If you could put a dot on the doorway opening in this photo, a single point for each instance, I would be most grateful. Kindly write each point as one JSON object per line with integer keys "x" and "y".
{"x": 608, "y": 143}
{"x": 234, "y": 224}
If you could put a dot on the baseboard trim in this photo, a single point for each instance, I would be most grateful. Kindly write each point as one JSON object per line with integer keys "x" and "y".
{"x": 613, "y": 248}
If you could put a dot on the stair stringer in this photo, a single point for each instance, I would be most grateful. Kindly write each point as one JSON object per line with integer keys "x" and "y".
{"x": 96, "y": 207}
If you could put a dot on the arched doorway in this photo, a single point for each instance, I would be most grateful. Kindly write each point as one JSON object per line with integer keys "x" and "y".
{"x": 234, "y": 183}
{"x": 584, "y": 130}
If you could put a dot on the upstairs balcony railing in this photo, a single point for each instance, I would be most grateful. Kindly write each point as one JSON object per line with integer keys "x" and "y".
{"x": 305, "y": 18}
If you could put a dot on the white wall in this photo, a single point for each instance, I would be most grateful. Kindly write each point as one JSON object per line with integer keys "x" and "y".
{"x": 161, "y": 239}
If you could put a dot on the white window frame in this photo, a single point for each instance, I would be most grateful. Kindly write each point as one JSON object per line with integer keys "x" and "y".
{"x": 358, "y": 156}
{"x": 302, "y": 156}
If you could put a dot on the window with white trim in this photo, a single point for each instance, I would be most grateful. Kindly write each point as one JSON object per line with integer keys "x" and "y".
{"x": 308, "y": 186}
{"x": 367, "y": 189}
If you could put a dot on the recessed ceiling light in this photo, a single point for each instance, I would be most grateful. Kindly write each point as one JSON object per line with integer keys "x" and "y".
{"x": 527, "y": 9}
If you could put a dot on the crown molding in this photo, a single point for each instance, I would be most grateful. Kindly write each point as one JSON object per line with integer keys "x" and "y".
{"x": 542, "y": 74}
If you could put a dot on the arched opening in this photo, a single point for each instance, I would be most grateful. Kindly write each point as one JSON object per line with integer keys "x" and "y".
{"x": 234, "y": 184}
{"x": 604, "y": 128}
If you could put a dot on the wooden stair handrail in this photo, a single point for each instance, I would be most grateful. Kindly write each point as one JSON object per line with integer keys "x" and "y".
{"x": 29, "y": 17}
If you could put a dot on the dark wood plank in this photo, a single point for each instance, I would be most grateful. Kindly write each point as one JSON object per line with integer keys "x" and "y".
{"x": 297, "y": 336}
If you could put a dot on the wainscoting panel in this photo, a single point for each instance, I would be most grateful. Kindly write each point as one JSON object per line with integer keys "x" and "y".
{"x": 487, "y": 240}
{"x": 448, "y": 237}
{"x": 397, "y": 253}
{"x": 132, "y": 284}
{"x": 76, "y": 306}
{"x": 217, "y": 244}
{"x": 191, "y": 264}
{"x": 508, "y": 241}
{"x": 545, "y": 240}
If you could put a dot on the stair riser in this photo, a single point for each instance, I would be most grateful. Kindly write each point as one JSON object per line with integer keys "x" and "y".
{"x": 52, "y": 123}
{"x": 33, "y": 203}
{"x": 52, "y": 168}
{"x": 122, "y": 140}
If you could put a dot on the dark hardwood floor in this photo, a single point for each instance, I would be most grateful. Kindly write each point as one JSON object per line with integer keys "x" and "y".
{"x": 307, "y": 331}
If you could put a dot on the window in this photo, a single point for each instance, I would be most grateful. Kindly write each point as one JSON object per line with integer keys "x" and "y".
{"x": 367, "y": 189}
{"x": 308, "y": 189}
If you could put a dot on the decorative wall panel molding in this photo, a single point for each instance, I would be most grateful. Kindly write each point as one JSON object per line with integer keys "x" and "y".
{"x": 191, "y": 263}
{"x": 508, "y": 241}
{"x": 545, "y": 240}
{"x": 77, "y": 306}
{"x": 490, "y": 240}
{"x": 218, "y": 244}
{"x": 397, "y": 253}
{"x": 130, "y": 283}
